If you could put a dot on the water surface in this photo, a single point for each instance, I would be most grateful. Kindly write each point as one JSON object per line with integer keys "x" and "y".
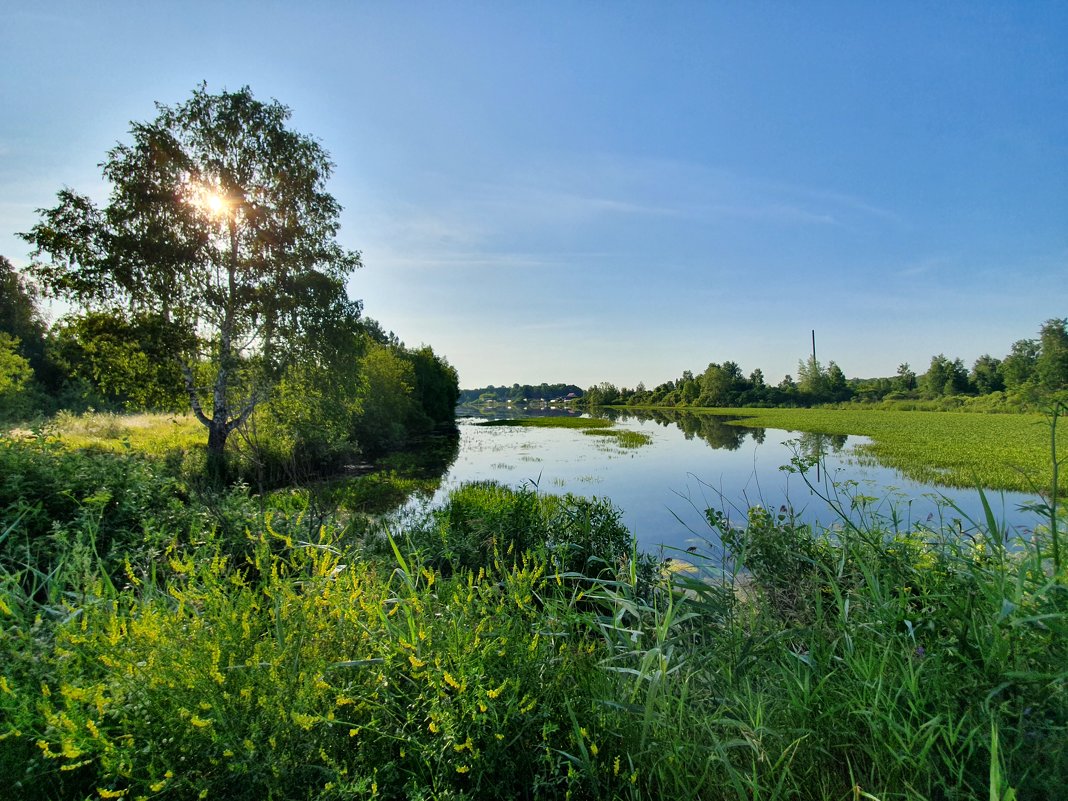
{"x": 695, "y": 462}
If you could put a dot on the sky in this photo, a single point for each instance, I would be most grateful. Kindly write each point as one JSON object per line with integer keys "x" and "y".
{"x": 616, "y": 191}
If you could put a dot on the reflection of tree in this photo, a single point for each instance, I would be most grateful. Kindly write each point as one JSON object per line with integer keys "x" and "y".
{"x": 434, "y": 458}
{"x": 815, "y": 446}
{"x": 713, "y": 429}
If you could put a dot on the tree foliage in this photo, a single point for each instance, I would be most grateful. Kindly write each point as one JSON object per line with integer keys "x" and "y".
{"x": 219, "y": 224}
{"x": 1026, "y": 378}
{"x": 19, "y": 315}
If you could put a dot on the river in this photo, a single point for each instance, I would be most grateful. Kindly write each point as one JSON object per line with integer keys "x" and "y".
{"x": 694, "y": 462}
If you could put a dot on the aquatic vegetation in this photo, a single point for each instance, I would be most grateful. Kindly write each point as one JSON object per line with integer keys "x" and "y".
{"x": 622, "y": 437}
{"x": 998, "y": 451}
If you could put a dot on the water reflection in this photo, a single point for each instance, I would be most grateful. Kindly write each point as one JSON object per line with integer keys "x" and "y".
{"x": 693, "y": 462}
{"x": 712, "y": 429}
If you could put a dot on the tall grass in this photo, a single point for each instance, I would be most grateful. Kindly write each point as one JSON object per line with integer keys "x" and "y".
{"x": 515, "y": 644}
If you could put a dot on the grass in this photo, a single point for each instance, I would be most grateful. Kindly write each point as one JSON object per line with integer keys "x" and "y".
{"x": 511, "y": 644}
{"x": 1004, "y": 452}
{"x": 463, "y": 658}
{"x": 152, "y": 434}
{"x": 623, "y": 438}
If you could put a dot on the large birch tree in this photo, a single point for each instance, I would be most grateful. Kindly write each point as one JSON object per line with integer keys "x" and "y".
{"x": 219, "y": 223}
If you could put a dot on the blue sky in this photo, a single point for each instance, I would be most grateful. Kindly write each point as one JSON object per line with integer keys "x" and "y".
{"x": 617, "y": 191}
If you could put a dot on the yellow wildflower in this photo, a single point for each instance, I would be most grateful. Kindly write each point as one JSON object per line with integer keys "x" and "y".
{"x": 70, "y": 750}
{"x": 105, "y": 793}
{"x": 462, "y": 768}
{"x": 304, "y": 721}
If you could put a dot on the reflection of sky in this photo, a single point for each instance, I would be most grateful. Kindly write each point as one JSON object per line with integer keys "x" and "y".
{"x": 663, "y": 488}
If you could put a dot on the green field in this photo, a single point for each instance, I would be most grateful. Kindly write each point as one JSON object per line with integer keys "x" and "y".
{"x": 998, "y": 451}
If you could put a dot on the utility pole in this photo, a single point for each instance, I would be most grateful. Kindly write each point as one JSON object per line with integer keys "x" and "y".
{"x": 819, "y": 448}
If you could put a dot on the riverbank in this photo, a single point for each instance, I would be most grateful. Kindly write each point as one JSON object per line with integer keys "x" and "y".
{"x": 511, "y": 644}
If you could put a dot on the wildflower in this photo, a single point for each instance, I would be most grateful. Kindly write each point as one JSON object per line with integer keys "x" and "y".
{"x": 304, "y": 721}
{"x": 104, "y": 793}
{"x": 463, "y": 768}
{"x": 594, "y": 749}
{"x": 498, "y": 691}
{"x": 583, "y": 733}
{"x": 433, "y": 727}
{"x": 70, "y": 750}
{"x": 199, "y": 722}
{"x": 452, "y": 682}
{"x": 416, "y": 661}
{"x": 615, "y": 766}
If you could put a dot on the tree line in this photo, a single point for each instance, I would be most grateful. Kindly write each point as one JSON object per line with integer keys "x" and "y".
{"x": 518, "y": 393}
{"x": 212, "y": 282}
{"x": 1032, "y": 370}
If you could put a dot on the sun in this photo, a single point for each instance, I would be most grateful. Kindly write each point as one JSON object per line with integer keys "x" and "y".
{"x": 210, "y": 201}
{"x": 214, "y": 203}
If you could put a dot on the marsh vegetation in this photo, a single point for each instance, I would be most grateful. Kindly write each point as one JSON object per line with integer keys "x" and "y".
{"x": 511, "y": 643}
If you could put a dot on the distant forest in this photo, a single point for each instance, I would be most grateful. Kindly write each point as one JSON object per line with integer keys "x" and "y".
{"x": 520, "y": 392}
{"x": 1032, "y": 371}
